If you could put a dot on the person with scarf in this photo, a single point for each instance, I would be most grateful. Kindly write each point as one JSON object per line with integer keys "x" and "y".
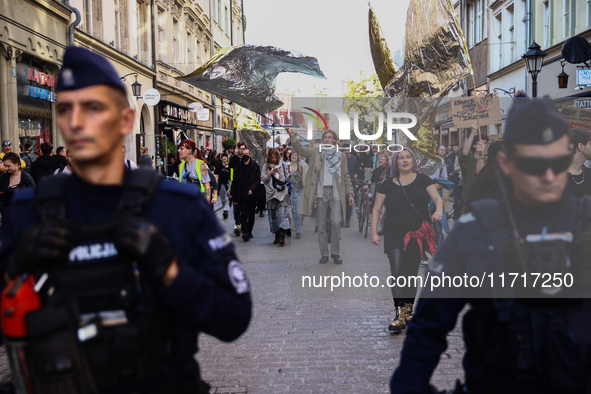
{"x": 327, "y": 187}
{"x": 407, "y": 228}
{"x": 274, "y": 177}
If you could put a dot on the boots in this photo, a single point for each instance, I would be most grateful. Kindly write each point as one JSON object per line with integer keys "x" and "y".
{"x": 281, "y": 237}
{"x": 399, "y": 323}
{"x": 276, "y": 238}
{"x": 409, "y": 311}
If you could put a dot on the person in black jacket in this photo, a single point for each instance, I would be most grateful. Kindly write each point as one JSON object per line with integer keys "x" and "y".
{"x": 46, "y": 164}
{"x": 13, "y": 179}
{"x": 247, "y": 180}
{"x": 234, "y": 163}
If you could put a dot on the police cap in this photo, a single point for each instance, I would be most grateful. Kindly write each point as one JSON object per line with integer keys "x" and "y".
{"x": 83, "y": 68}
{"x": 534, "y": 122}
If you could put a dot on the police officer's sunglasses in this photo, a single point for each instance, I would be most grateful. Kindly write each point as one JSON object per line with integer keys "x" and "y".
{"x": 538, "y": 166}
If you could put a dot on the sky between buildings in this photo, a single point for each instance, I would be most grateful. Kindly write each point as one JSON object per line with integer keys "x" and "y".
{"x": 336, "y": 32}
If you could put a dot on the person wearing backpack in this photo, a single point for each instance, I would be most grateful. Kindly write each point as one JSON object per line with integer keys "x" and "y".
{"x": 135, "y": 266}
{"x": 28, "y": 157}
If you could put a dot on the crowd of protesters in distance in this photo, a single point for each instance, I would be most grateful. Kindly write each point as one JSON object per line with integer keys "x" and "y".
{"x": 294, "y": 181}
{"x": 248, "y": 189}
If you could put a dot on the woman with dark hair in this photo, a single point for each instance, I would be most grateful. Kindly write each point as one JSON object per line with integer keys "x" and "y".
{"x": 486, "y": 183}
{"x": 13, "y": 179}
{"x": 214, "y": 162}
{"x": 274, "y": 177}
{"x": 287, "y": 154}
{"x": 407, "y": 226}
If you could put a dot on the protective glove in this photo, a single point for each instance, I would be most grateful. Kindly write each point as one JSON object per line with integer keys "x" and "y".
{"x": 141, "y": 241}
{"x": 45, "y": 245}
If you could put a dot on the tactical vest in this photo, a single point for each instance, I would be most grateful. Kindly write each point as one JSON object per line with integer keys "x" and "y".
{"x": 544, "y": 340}
{"x": 99, "y": 328}
{"x": 197, "y": 164}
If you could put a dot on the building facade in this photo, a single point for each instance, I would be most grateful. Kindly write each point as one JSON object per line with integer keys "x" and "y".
{"x": 30, "y": 56}
{"x": 150, "y": 42}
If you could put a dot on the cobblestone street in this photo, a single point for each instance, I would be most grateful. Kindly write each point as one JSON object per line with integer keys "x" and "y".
{"x": 313, "y": 342}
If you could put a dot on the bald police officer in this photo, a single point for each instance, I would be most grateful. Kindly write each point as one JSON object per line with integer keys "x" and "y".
{"x": 137, "y": 266}
{"x": 519, "y": 338}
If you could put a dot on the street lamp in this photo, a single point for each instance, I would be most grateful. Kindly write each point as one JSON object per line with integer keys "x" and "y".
{"x": 136, "y": 87}
{"x": 562, "y": 77}
{"x": 534, "y": 58}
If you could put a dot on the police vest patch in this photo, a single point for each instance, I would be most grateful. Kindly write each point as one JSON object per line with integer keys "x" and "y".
{"x": 220, "y": 242}
{"x": 237, "y": 276}
{"x": 93, "y": 252}
{"x": 467, "y": 218}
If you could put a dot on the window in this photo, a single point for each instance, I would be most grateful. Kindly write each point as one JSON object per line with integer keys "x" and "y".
{"x": 510, "y": 38}
{"x": 546, "y": 25}
{"x": 565, "y": 18}
{"x": 588, "y": 13}
{"x": 175, "y": 44}
{"x": 477, "y": 23}
{"x": 138, "y": 21}
{"x": 189, "y": 59}
{"x": 117, "y": 25}
{"x": 196, "y": 54}
{"x": 87, "y": 21}
{"x": 220, "y": 13}
{"x": 160, "y": 43}
{"x": 227, "y": 29}
{"x": 497, "y": 47}
{"x": 470, "y": 25}
{"x": 213, "y": 8}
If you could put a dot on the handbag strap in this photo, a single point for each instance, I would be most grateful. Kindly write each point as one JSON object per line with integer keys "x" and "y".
{"x": 408, "y": 199}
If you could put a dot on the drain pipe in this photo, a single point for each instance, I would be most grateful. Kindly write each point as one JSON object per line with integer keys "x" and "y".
{"x": 72, "y": 25}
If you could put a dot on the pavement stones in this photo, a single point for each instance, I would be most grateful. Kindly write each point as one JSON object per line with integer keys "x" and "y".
{"x": 299, "y": 342}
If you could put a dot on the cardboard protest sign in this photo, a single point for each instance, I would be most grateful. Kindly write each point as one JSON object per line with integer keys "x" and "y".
{"x": 463, "y": 110}
{"x": 576, "y": 117}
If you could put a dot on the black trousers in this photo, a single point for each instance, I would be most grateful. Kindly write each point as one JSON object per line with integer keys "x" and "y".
{"x": 236, "y": 212}
{"x": 262, "y": 199}
{"x": 247, "y": 209}
{"x": 404, "y": 263}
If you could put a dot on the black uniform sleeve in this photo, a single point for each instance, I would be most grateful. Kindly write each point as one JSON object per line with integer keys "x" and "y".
{"x": 426, "y": 334}
{"x": 21, "y": 216}
{"x": 211, "y": 290}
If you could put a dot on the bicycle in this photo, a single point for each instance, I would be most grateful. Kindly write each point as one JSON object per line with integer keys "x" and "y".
{"x": 365, "y": 207}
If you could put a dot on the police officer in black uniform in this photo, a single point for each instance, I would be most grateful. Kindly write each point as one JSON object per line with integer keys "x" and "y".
{"x": 519, "y": 339}
{"x": 133, "y": 276}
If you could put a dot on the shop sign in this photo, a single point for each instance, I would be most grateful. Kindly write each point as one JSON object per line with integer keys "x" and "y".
{"x": 151, "y": 97}
{"x": 227, "y": 108}
{"x": 200, "y": 110}
{"x": 584, "y": 76}
{"x": 203, "y": 115}
{"x": 181, "y": 114}
{"x": 45, "y": 81}
{"x": 583, "y": 103}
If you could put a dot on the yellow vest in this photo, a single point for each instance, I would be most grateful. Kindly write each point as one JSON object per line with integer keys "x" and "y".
{"x": 197, "y": 167}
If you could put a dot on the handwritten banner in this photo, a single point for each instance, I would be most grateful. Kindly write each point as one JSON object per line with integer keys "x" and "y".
{"x": 576, "y": 117}
{"x": 463, "y": 110}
